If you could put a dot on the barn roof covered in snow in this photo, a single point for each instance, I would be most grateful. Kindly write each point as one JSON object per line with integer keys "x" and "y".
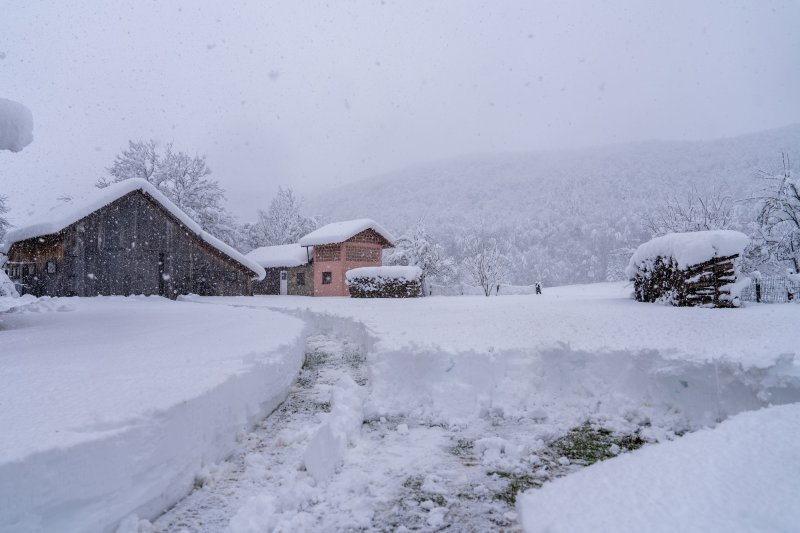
{"x": 282, "y": 255}
{"x": 341, "y": 231}
{"x": 64, "y": 215}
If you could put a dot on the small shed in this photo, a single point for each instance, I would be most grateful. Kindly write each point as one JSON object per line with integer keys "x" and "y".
{"x": 124, "y": 239}
{"x": 342, "y": 246}
{"x": 289, "y": 269}
{"x": 689, "y": 269}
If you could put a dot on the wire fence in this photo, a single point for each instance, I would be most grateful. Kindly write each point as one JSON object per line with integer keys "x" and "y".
{"x": 772, "y": 290}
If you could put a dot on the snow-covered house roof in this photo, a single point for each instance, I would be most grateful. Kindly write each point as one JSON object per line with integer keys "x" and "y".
{"x": 690, "y": 248}
{"x": 64, "y": 215}
{"x": 341, "y": 231}
{"x": 283, "y": 255}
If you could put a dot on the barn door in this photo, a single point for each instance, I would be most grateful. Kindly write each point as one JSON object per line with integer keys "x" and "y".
{"x": 284, "y": 282}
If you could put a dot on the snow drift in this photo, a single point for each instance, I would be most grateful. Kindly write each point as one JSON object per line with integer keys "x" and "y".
{"x": 134, "y": 397}
{"x": 16, "y": 126}
{"x": 741, "y": 476}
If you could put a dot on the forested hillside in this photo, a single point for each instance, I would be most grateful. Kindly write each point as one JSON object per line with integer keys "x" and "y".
{"x": 565, "y": 216}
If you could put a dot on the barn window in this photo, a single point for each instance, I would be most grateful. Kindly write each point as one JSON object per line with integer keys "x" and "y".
{"x": 327, "y": 278}
{"x": 301, "y": 278}
{"x": 51, "y": 267}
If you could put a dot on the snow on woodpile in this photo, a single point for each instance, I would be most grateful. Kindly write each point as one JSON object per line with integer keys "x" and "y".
{"x": 686, "y": 269}
{"x": 341, "y": 231}
{"x": 282, "y": 255}
{"x": 65, "y": 214}
{"x": 740, "y": 476}
{"x": 16, "y": 126}
{"x": 385, "y": 282}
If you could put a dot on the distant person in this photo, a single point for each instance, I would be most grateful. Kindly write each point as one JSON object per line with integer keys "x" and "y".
{"x": 497, "y": 292}
{"x": 538, "y": 288}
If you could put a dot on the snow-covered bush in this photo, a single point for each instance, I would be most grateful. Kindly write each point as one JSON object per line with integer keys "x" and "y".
{"x": 385, "y": 282}
{"x": 7, "y": 288}
{"x": 688, "y": 269}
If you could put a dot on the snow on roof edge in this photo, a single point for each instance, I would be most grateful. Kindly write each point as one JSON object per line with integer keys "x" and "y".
{"x": 107, "y": 195}
{"x": 336, "y": 232}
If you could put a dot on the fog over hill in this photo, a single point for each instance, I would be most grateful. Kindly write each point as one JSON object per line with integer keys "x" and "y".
{"x": 568, "y": 216}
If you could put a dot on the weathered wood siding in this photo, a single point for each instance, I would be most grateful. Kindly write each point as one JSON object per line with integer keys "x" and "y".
{"x": 131, "y": 246}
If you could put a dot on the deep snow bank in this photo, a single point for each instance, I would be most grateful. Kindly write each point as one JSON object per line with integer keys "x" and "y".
{"x": 563, "y": 385}
{"x": 743, "y": 475}
{"x": 114, "y": 406}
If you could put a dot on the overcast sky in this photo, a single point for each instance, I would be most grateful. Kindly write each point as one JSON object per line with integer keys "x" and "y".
{"x": 313, "y": 95}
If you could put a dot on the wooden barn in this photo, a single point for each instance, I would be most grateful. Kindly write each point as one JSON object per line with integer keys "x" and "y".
{"x": 126, "y": 239}
{"x": 289, "y": 269}
{"x": 342, "y": 246}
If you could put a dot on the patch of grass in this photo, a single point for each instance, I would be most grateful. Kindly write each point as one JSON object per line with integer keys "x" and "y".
{"x": 463, "y": 448}
{"x": 516, "y": 483}
{"x": 414, "y": 485}
{"x": 587, "y": 444}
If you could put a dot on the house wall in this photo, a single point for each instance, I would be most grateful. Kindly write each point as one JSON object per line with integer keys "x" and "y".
{"x": 271, "y": 284}
{"x": 302, "y": 290}
{"x": 362, "y": 250}
{"x": 131, "y": 246}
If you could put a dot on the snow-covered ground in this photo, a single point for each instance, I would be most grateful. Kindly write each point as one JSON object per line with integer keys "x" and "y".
{"x": 111, "y": 405}
{"x": 470, "y": 401}
{"x": 421, "y": 414}
{"x": 743, "y": 475}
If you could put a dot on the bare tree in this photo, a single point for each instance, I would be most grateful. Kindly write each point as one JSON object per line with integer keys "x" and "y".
{"x": 698, "y": 211}
{"x": 484, "y": 260}
{"x": 282, "y": 223}
{"x": 779, "y": 215}
{"x": 417, "y": 248}
{"x": 182, "y": 178}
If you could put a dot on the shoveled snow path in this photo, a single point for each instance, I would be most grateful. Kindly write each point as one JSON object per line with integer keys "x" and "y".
{"x": 269, "y": 459}
{"x": 400, "y": 473}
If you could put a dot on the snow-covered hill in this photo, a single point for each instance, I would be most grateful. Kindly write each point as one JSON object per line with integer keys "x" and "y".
{"x": 571, "y": 216}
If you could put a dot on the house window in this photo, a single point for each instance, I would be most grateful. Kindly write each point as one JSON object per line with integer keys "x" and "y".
{"x": 327, "y": 278}
{"x": 301, "y": 278}
{"x": 51, "y": 267}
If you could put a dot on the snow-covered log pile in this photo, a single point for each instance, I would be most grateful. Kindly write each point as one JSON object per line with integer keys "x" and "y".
{"x": 385, "y": 282}
{"x": 689, "y": 269}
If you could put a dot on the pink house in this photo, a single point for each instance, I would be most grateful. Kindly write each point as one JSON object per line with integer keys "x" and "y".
{"x": 341, "y": 246}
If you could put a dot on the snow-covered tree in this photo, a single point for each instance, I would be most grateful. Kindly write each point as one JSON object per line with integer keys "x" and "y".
{"x": 485, "y": 262}
{"x": 4, "y": 223}
{"x": 417, "y": 248}
{"x": 182, "y": 178}
{"x": 282, "y": 223}
{"x": 698, "y": 211}
{"x": 779, "y": 216}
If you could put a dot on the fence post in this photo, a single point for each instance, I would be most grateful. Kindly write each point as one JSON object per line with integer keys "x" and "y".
{"x": 758, "y": 292}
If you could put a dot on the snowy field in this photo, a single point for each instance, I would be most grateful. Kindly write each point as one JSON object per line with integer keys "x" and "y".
{"x": 111, "y": 405}
{"x": 421, "y": 414}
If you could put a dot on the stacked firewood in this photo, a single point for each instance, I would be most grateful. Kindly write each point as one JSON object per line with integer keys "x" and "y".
{"x": 704, "y": 284}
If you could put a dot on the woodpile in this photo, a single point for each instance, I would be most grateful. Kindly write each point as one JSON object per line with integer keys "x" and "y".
{"x": 375, "y": 287}
{"x": 706, "y": 284}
